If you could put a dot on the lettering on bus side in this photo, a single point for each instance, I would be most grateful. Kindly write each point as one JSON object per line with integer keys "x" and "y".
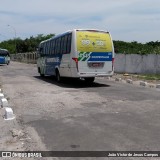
{"x": 50, "y": 60}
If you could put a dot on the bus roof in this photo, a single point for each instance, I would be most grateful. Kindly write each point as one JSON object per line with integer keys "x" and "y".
{"x": 3, "y": 50}
{"x": 59, "y": 35}
{"x": 54, "y": 37}
{"x": 70, "y": 31}
{"x": 92, "y": 30}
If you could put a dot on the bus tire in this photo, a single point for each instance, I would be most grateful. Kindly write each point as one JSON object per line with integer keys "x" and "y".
{"x": 42, "y": 75}
{"x": 58, "y": 77}
{"x": 40, "y": 72}
{"x": 89, "y": 79}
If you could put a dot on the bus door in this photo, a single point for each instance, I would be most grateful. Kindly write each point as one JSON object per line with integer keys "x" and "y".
{"x": 65, "y": 60}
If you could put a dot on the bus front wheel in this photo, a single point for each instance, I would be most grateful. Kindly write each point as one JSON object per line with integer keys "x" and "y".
{"x": 40, "y": 72}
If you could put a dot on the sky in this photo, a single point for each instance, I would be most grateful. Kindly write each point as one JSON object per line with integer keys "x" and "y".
{"x": 126, "y": 20}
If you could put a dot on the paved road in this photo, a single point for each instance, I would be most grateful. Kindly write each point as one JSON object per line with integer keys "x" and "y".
{"x": 106, "y": 115}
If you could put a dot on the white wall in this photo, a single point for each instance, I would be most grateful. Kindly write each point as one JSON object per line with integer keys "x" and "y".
{"x": 25, "y": 57}
{"x": 124, "y": 63}
{"x": 134, "y": 63}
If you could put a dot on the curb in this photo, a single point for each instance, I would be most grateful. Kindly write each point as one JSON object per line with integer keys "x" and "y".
{"x": 1, "y": 96}
{"x": 158, "y": 86}
{"x": 118, "y": 79}
{"x": 4, "y": 102}
{"x": 129, "y": 81}
{"x": 141, "y": 83}
{"x": 4, "y": 105}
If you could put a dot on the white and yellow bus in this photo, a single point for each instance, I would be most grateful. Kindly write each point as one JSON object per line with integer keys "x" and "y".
{"x": 78, "y": 53}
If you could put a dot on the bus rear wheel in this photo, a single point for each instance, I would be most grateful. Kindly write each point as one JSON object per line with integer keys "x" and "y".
{"x": 58, "y": 77}
{"x": 42, "y": 75}
{"x": 90, "y": 79}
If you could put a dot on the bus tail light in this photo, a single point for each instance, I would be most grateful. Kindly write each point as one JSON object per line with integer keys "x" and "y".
{"x": 76, "y": 61}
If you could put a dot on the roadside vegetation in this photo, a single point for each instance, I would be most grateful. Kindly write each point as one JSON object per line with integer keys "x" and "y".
{"x": 137, "y": 48}
{"x": 22, "y": 46}
{"x": 144, "y": 77}
{"x": 149, "y": 76}
{"x": 30, "y": 44}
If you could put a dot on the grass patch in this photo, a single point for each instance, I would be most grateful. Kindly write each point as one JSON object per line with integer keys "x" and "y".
{"x": 149, "y": 76}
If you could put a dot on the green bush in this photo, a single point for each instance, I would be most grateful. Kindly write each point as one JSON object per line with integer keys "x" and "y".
{"x": 137, "y": 48}
{"x": 22, "y": 46}
{"x": 30, "y": 44}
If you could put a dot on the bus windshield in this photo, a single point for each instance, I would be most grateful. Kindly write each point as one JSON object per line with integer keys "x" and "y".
{"x": 4, "y": 53}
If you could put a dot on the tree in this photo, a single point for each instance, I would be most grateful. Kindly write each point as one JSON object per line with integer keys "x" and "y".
{"x": 30, "y": 44}
{"x": 137, "y": 48}
{"x": 26, "y": 45}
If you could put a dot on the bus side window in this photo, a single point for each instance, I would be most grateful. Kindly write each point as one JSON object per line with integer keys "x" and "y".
{"x": 44, "y": 48}
{"x": 41, "y": 50}
{"x": 69, "y": 43}
{"x": 53, "y": 46}
{"x": 8, "y": 54}
{"x": 62, "y": 44}
{"x": 61, "y": 48}
{"x": 65, "y": 44}
{"x": 59, "y": 45}
{"x": 56, "y": 44}
{"x": 49, "y": 47}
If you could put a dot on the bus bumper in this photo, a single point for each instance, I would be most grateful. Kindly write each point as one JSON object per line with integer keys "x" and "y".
{"x": 94, "y": 74}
